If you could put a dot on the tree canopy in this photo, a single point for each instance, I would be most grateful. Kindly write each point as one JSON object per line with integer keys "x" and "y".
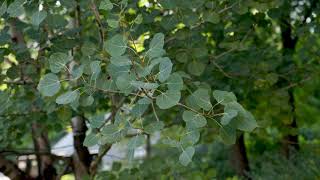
{"x": 239, "y": 74}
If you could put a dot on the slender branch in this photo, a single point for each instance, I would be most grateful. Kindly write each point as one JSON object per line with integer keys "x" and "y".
{"x": 221, "y": 70}
{"x": 98, "y": 20}
{"x": 96, "y": 162}
{"x": 20, "y": 82}
{"x": 227, "y": 8}
{"x": 154, "y": 111}
{"x": 31, "y": 152}
{"x": 292, "y": 85}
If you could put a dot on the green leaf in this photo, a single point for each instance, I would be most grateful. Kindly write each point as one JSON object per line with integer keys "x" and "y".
{"x": 56, "y": 21}
{"x": 140, "y": 107}
{"x": 194, "y": 120}
{"x": 113, "y": 23}
{"x": 182, "y": 57}
{"x": 228, "y": 135}
{"x": 144, "y": 71}
{"x": 106, "y": 5}
{"x": 224, "y": 97}
{"x": 202, "y": 98}
{"x": 88, "y": 48}
{"x": 156, "y": 46}
{"x": 171, "y": 142}
{"x": 75, "y": 104}
{"x": 87, "y": 101}
{"x": 95, "y": 69}
{"x": 144, "y": 85}
{"x": 13, "y": 72}
{"x": 190, "y": 18}
{"x": 211, "y": 16}
{"x": 16, "y": 8}
{"x": 196, "y": 68}
{"x": 77, "y": 72}
{"x": 154, "y": 127}
{"x": 133, "y": 143}
{"x": 106, "y": 84}
{"x": 244, "y": 121}
{"x": 68, "y": 97}
{"x": 168, "y": 99}
{"x": 111, "y": 134}
{"x": 168, "y": 4}
{"x": 38, "y": 17}
{"x": 175, "y": 82}
{"x": 186, "y": 157}
{"x": 190, "y": 138}
{"x": 192, "y": 102}
{"x": 136, "y": 142}
{"x": 228, "y": 115}
{"x": 49, "y": 85}
{"x": 91, "y": 140}
{"x": 116, "y": 46}
{"x": 165, "y": 69}
{"x": 5, "y": 101}
{"x": 116, "y": 71}
{"x": 3, "y": 8}
{"x": 120, "y": 60}
{"x": 68, "y": 3}
{"x": 58, "y": 61}
{"x": 124, "y": 83}
{"x": 121, "y": 120}
{"x": 97, "y": 121}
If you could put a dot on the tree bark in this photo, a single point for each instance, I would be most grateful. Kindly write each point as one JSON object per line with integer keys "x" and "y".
{"x": 81, "y": 157}
{"x": 289, "y": 41}
{"x": 11, "y": 170}
{"x": 290, "y": 141}
{"x": 148, "y": 146}
{"x": 239, "y": 159}
{"x": 45, "y": 161}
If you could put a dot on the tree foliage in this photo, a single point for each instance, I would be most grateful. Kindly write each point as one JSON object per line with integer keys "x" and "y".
{"x": 196, "y": 71}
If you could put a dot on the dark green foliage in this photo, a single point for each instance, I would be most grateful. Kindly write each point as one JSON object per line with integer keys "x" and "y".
{"x": 198, "y": 72}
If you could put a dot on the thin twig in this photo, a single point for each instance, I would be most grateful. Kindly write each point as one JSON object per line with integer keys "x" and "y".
{"x": 221, "y": 70}
{"x": 154, "y": 111}
{"x": 98, "y": 20}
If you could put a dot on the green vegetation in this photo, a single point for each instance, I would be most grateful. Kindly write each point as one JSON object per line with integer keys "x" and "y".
{"x": 208, "y": 89}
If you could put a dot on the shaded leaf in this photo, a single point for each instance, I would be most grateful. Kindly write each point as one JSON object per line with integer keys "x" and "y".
{"x": 224, "y": 97}
{"x": 49, "y": 85}
{"x": 120, "y": 60}
{"x": 190, "y": 138}
{"x": 165, "y": 69}
{"x": 68, "y": 97}
{"x": 153, "y": 127}
{"x": 156, "y": 46}
{"x": 106, "y": 5}
{"x": 38, "y": 17}
{"x": 3, "y": 7}
{"x": 16, "y": 8}
{"x": 111, "y": 134}
{"x": 91, "y": 140}
{"x": 136, "y": 141}
{"x": 194, "y": 120}
{"x": 202, "y": 98}
{"x": 175, "y": 82}
{"x": 144, "y": 85}
{"x": 116, "y": 46}
{"x": 196, "y": 68}
{"x": 58, "y": 61}
{"x": 168, "y": 99}
{"x": 228, "y": 135}
{"x": 186, "y": 157}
